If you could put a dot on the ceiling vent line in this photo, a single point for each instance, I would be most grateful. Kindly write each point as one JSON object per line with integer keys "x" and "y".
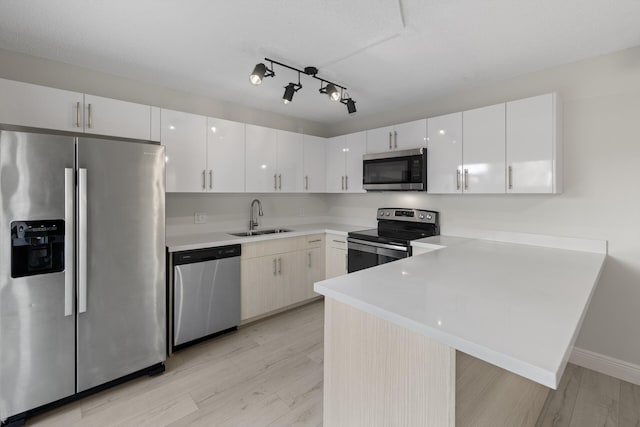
{"x": 334, "y": 91}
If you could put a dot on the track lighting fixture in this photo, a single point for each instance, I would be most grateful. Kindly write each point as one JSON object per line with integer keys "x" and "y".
{"x": 333, "y": 90}
{"x": 260, "y": 71}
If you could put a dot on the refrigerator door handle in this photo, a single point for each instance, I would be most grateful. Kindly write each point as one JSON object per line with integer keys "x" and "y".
{"x": 82, "y": 240}
{"x": 69, "y": 240}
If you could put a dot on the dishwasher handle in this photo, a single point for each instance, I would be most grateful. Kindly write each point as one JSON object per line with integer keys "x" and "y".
{"x": 207, "y": 254}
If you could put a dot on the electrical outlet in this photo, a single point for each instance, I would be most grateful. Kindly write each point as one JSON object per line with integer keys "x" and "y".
{"x": 200, "y": 218}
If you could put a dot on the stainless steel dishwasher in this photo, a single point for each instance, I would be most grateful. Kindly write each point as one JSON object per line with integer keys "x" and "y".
{"x": 206, "y": 293}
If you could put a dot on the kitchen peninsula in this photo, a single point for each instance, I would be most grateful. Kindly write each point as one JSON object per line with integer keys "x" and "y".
{"x": 473, "y": 332}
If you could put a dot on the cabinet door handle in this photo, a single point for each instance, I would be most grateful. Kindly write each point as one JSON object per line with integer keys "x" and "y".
{"x": 210, "y": 179}
{"x": 309, "y": 254}
{"x": 90, "y": 121}
{"x": 390, "y": 147}
{"x": 457, "y": 179}
{"x": 466, "y": 179}
{"x": 395, "y": 139}
{"x": 204, "y": 179}
{"x": 346, "y": 182}
{"x": 342, "y": 182}
{"x": 274, "y": 267}
{"x": 339, "y": 241}
{"x": 510, "y": 178}
{"x": 275, "y": 181}
{"x": 280, "y": 182}
{"x": 306, "y": 182}
{"x": 78, "y": 114}
{"x": 279, "y": 265}
{"x": 314, "y": 241}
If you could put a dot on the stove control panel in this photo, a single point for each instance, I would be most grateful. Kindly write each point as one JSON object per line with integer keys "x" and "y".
{"x": 409, "y": 215}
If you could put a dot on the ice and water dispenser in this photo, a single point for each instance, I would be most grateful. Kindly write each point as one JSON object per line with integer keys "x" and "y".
{"x": 37, "y": 247}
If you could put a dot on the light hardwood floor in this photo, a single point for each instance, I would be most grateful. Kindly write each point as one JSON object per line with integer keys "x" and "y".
{"x": 270, "y": 374}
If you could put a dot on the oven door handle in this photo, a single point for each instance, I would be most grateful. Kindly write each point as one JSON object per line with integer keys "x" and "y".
{"x": 378, "y": 245}
{"x": 391, "y": 253}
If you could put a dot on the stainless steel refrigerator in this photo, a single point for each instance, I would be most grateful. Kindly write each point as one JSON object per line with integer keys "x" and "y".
{"x": 82, "y": 266}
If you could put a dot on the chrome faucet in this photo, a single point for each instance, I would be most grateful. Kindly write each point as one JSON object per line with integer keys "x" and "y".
{"x": 253, "y": 221}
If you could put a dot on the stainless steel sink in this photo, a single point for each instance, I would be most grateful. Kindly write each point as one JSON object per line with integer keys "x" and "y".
{"x": 260, "y": 232}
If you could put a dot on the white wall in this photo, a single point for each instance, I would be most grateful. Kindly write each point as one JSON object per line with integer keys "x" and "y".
{"x": 602, "y": 184}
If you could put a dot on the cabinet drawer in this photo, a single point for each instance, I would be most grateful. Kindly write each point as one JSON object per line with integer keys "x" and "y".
{"x": 314, "y": 241}
{"x": 272, "y": 247}
{"x": 336, "y": 241}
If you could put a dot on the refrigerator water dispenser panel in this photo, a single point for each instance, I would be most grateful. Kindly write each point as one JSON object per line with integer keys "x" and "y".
{"x": 37, "y": 247}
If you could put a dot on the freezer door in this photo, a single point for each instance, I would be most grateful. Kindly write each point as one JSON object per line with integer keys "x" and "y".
{"x": 37, "y": 323}
{"x": 121, "y": 259}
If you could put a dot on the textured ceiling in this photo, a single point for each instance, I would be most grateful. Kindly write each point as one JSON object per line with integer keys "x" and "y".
{"x": 388, "y": 53}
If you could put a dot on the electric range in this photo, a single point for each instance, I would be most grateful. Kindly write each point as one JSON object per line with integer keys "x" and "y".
{"x": 391, "y": 240}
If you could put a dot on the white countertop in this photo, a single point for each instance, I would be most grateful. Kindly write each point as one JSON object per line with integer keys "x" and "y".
{"x": 221, "y": 238}
{"x": 517, "y": 306}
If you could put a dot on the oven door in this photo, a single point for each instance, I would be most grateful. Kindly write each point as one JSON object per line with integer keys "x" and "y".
{"x": 397, "y": 170}
{"x": 363, "y": 254}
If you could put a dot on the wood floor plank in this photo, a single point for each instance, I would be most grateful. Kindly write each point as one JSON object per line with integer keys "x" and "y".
{"x": 271, "y": 373}
{"x": 597, "y": 403}
{"x": 560, "y": 403}
{"x": 629, "y": 405}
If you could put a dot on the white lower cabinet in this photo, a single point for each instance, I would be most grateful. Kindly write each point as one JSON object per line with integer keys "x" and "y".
{"x": 278, "y": 273}
{"x": 336, "y": 261}
{"x": 316, "y": 265}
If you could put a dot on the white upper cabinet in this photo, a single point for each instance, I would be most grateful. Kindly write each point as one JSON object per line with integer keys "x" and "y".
{"x": 106, "y": 116}
{"x": 356, "y": 148}
{"x": 397, "y": 137}
{"x": 225, "y": 156}
{"x": 260, "y": 159}
{"x": 484, "y": 150}
{"x": 336, "y": 148}
{"x": 289, "y": 162}
{"x": 185, "y": 137}
{"x": 23, "y": 104}
{"x": 314, "y": 164}
{"x": 344, "y": 163}
{"x": 534, "y": 145}
{"x": 444, "y": 154}
{"x": 380, "y": 140}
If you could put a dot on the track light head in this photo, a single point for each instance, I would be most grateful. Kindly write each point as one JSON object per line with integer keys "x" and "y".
{"x": 351, "y": 106}
{"x": 260, "y": 71}
{"x": 333, "y": 92}
{"x": 289, "y": 91}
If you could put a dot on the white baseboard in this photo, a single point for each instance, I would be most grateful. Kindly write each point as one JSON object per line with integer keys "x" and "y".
{"x": 606, "y": 365}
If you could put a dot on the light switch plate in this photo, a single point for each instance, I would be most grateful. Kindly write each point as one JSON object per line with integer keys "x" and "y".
{"x": 200, "y": 218}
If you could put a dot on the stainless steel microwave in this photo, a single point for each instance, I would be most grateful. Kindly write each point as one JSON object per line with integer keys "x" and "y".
{"x": 402, "y": 170}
